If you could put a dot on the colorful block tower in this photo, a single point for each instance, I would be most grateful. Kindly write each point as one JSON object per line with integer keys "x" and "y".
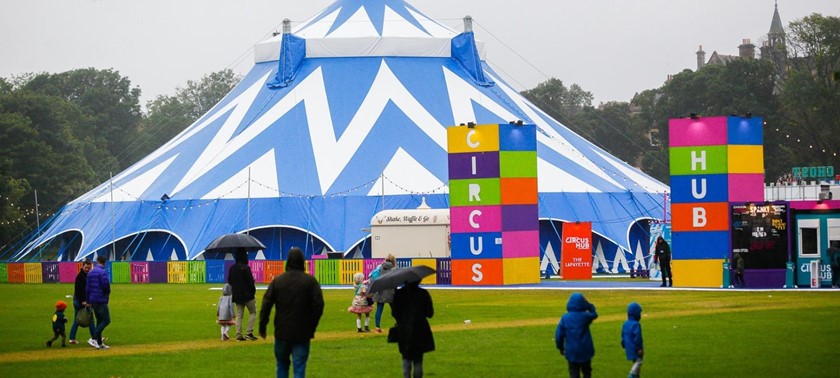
{"x": 494, "y": 220}
{"x": 714, "y": 161}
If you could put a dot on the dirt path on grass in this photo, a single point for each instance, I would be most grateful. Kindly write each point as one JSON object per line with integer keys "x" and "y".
{"x": 85, "y": 351}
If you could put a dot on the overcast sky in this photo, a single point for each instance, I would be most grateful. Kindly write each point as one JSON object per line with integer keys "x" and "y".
{"x": 612, "y": 48}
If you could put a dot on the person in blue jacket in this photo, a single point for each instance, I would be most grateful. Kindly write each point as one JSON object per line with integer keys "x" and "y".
{"x": 631, "y": 338}
{"x": 573, "y": 338}
{"x": 97, "y": 293}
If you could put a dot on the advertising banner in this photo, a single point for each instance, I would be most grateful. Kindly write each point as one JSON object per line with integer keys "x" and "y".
{"x": 576, "y": 251}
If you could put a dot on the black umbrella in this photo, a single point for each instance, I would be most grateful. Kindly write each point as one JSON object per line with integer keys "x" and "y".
{"x": 232, "y": 242}
{"x": 399, "y": 277}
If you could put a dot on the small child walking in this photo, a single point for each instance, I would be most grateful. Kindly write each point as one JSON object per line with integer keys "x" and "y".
{"x": 225, "y": 311}
{"x": 573, "y": 338}
{"x": 360, "y": 303}
{"x": 631, "y": 338}
{"x": 58, "y": 322}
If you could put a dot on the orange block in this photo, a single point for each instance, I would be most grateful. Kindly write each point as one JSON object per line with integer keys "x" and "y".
{"x": 477, "y": 272}
{"x": 519, "y": 191}
{"x": 700, "y": 216}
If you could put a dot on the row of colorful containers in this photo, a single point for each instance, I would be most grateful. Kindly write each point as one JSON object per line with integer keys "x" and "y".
{"x": 327, "y": 271}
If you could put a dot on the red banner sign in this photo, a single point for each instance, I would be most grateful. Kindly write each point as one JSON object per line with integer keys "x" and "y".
{"x": 576, "y": 252}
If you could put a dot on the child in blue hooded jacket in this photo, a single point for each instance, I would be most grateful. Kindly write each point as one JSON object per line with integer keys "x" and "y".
{"x": 631, "y": 338}
{"x": 573, "y": 338}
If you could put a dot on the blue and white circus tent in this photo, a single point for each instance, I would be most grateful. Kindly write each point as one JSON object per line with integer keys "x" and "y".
{"x": 341, "y": 117}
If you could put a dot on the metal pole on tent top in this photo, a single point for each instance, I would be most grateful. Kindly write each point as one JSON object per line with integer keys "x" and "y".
{"x": 382, "y": 181}
{"x": 113, "y": 228}
{"x": 248, "y": 205}
{"x": 37, "y": 216}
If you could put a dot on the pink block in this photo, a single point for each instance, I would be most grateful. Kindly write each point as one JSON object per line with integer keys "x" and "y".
{"x": 475, "y": 219}
{"x": 744, "y": 187}
{"x": 520, "y": 244}
{"x": 704, "y": 131}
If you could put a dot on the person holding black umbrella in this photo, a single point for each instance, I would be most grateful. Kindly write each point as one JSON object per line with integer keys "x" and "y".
{"x": 241, "y": 280}
{"x": 411, "y": 307}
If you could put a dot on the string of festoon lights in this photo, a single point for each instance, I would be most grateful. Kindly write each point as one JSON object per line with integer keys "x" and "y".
{"x": 799, "y": 141}
{"x": 24, "y": 213}
{"x": 166, "y": 205}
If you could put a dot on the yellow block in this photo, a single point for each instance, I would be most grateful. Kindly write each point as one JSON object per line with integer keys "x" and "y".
{"x": 481, "y": 138}
{"x": 432, "y": 263}
{"x": 745, "y": 158}
{"x": 697, "y": 273}
{"x": 525, "y": 270}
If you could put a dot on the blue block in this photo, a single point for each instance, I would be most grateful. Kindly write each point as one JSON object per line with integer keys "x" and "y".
{"x": 464, "y": 243}
{"x": 716, "y": 188}
{"x": 745, "y": 131}
{"x": 700, "y": 245}
{"x": 517, "y": 138}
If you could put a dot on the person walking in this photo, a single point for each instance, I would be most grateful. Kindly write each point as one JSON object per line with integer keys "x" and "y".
{"x": 241, "y": 279}
{"x": 662, "y": 255}
{"x": 631, "y": 339}
{"x": 384, "y": 296}
{"x": 79, "y": 302}
{"x": 225, "y": 313}
{"x": 299, "y": 304}
{"x": 359, "y": 305}
{"x": 738, "y": 262}
{"x": 411, "y": 308}
{"x": 834, "y": 261}
{"x": 58, "y": 322}
{"x": 572, "y": 336}
{"x": 97, "y": 294}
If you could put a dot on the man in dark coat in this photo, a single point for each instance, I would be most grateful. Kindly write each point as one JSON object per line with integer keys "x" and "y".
{"x": 834, "y": 261}
{"x": 411, "y": 307}
{"x": 241, "y": 280}
{"x": 662, "y": 255}
{"x": 299, "y": 302}
{"x": 79, "y": 299}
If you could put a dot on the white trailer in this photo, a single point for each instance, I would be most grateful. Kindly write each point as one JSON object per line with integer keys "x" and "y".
{"x": 410, "y": 233}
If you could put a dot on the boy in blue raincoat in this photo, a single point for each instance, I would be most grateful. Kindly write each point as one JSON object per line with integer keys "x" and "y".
{"x": 631, "y": 338}
{"x": 573, "y": 338}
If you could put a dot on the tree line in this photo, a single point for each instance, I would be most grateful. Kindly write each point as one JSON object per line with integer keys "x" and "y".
{"x": 62, "y": 134}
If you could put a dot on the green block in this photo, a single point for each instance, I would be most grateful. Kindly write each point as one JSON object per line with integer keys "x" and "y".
{"x": 698, "y": 160}
{"x": 487, "y": 190}
{"x": 121, "y": 272}
{"x": 327, "y": 272}
{"x": 196, "y": 271}
{"x": 4, "y": 273}
{"x": 522, "y": 164}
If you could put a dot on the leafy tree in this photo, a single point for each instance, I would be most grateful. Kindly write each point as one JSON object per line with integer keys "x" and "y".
{"x": 810, "y": 95}
{"x": 561, "y": 103}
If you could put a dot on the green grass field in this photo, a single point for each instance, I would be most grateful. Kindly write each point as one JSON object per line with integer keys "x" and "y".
{"x": 687, "y": 334}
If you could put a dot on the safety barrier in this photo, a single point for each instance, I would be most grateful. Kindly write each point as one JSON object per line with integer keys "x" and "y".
{"x": 272, "y": 269}
{"x": 176, "y": 271}
{"x": 67, "y": 271}
{"x": 120, "y": 271}
{"x": 33, "y": 273}
{"x": 195, "y": 271}
{"x": 140, "y": 272}
{"x": 17, "y": 273}
{"x": 327, "y": 271}
{"x": 50, "y": 272}
{"x": 346, "y": 270}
